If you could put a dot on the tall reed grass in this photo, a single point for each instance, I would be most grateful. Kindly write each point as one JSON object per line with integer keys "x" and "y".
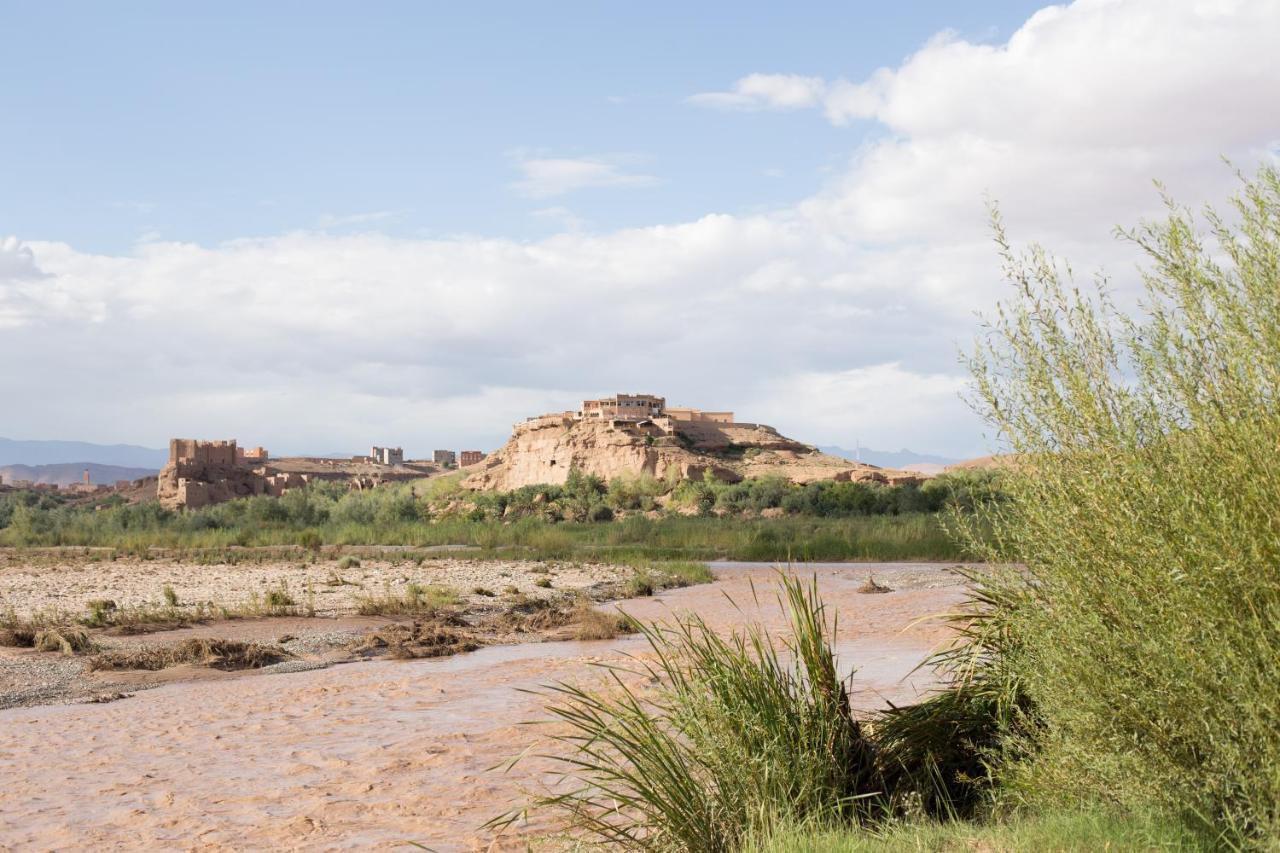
{"x": 739, "y": 733}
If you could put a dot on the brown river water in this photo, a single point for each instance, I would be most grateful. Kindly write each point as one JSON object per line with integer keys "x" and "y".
{"x": 374, "y": 754}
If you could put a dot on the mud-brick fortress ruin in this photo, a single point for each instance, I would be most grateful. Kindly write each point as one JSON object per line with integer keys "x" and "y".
{"x": 200, "y": 473}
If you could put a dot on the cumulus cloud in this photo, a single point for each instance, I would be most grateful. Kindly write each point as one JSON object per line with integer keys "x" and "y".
{"x": 766, "y": 91}
{"x": 836, "y": 318}
{"x": 332, "y": 220}
{"x": 884, "y": 406}
{"x": 20, "y": 292}
{"x": 545, "y": 177}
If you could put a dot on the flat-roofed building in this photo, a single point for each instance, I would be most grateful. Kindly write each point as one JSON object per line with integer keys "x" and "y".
{"x": 623, "y": 407}
{"x": 387, "y": 455}
{"x": 699, "y": 416}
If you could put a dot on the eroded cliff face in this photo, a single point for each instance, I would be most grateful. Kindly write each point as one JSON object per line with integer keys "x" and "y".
{"x": 544, "y": 451}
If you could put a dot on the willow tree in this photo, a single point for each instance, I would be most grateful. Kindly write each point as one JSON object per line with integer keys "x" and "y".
{"x": 1143, "y": 512}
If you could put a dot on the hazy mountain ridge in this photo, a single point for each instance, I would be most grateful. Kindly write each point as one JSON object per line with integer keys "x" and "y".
{"x": 34, "y": 453}
{"x": 904, "y": 459}
{"x": 69, "y": 473}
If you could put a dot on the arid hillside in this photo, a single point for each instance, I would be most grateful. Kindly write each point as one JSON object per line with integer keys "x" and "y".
{"x": 545, "y": 449}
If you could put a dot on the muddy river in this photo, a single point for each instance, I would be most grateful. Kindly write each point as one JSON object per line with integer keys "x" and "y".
{"x": 370, "y": 755}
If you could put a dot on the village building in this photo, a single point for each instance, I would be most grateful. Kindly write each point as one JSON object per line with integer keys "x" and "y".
{"x": 697, "y": 416}
{"x": 622, "y": 407}
{"x": 636, "y": 408}
{"x": 470, "y": 457}
{"x": 252, "y": 455}
{"x": 387, "y": 455}
{"x": 444, "y": 458}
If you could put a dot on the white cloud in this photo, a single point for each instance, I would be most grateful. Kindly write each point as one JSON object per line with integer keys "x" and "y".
{"x": 766, "y": 91}
{"x": 562, "y": 217}
{"x": 545, "y": 177}
{"x": 330, "y": 220}
{"x": 884, "y": 406}
{"x": 23, "y": 293}
{"x": 836, "y": 318}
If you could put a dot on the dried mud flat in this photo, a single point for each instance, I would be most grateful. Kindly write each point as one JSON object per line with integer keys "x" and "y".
{"x": 319, "y": 626}
{"x": 375, "y": 754}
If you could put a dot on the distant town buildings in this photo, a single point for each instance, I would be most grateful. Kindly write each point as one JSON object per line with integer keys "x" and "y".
{"x": 444, "y": 458}
{"x": 470, "y": 457}
{"x": 387, "y": 455}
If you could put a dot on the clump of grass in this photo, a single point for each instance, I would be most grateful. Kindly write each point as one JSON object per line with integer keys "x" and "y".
{"x": 348, "y": 562}
{"x": 870, "y": 587}
{"x": 102, "y": 612}
{"x": 738, "y": 734}
{"x": 416, "y": 600}
{"x": 214, "y": 653}
{"x": 543, "y": 583}
{"x": 68, "y": 641}
{"x": 418, "y": 640}
{"x": 483, "y": 591}
{"x": 278, "y": 601}
{"x": 170, "y": 597}
{"x": 592, "y": 624}
{"x": 525, "y": 614}
{"x": 654, "y": 576}
{"x": 639, "y": 585}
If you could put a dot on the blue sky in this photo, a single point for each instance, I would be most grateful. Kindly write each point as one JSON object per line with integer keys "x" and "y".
{"x": 321, "y": 226}
{"x": 210, "y": 122}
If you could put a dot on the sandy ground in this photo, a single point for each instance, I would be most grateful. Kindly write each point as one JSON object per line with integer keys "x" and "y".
{"x": 373, "y": 754}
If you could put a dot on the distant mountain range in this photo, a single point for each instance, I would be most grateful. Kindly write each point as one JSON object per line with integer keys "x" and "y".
{"x": 68, "y": 473}
{"x": 902, "y": 460}
{"x": 80, "y": 453}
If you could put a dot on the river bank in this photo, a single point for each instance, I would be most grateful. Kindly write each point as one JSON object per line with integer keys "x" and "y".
{"x": 376, "y": 753}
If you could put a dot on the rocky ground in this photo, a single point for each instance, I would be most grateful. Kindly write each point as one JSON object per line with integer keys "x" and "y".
{"x": 285, "y": 614}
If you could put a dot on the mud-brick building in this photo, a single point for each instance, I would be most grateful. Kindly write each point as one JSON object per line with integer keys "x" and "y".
{"x": 623, "y": 407}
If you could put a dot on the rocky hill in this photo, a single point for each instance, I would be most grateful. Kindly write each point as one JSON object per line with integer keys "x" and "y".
{"x": 544, "y": 450}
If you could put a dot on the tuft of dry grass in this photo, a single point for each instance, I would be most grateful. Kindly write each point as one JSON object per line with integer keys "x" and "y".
{"x": 68, "y": 641}
{"x": 592, "y": 624}
{"x": 531, "y": 615}
{"x": 437, "y": 638}
{"x": 873, "y": 588}
{"x": 213, "y": 653}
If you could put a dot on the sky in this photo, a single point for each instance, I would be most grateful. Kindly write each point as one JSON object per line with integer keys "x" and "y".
{"x": 320, "y": 226}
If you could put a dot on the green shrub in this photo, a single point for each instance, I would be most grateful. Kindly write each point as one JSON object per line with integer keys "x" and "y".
{"x": 740, "y": 734}
{"x": 1143, "y": 505}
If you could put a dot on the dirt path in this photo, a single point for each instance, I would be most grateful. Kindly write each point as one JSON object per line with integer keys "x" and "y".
{"x": 372, "y": 754}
